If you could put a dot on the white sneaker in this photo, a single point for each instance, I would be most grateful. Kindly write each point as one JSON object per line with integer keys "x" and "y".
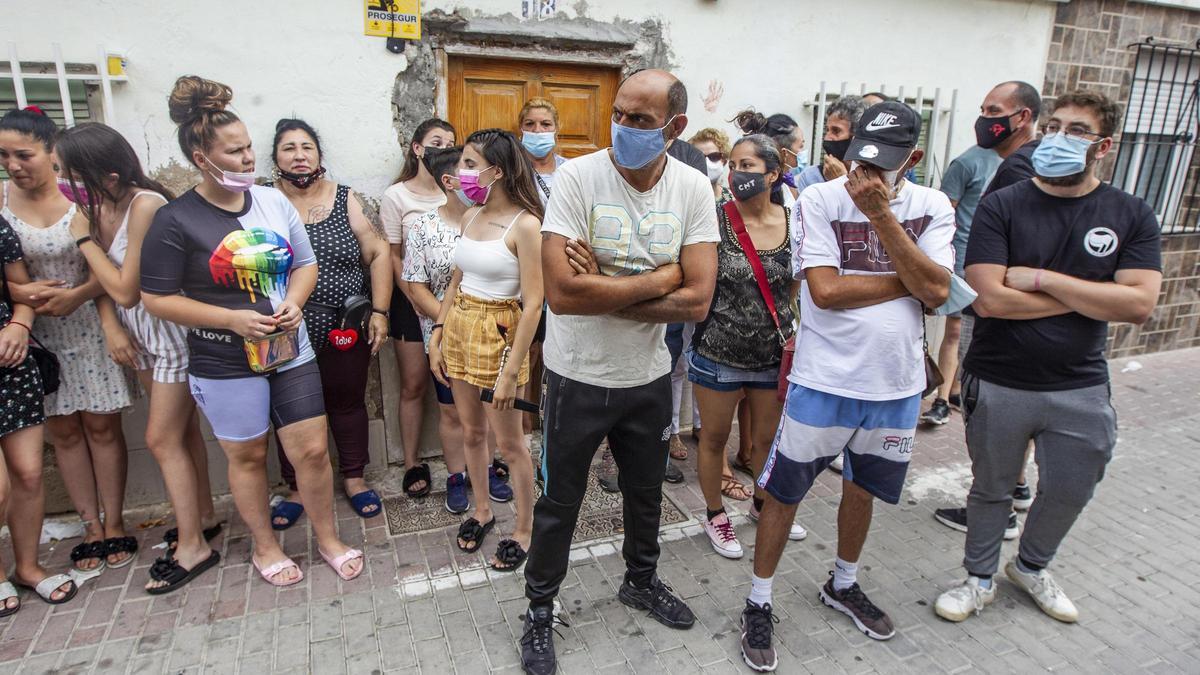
{"x": 1045, "y": 592}
{"x": 959, "y": 603}
{"x": 836, "y": 464}
{"x": 797, "y": 533}
{"x": 722, "y": 537}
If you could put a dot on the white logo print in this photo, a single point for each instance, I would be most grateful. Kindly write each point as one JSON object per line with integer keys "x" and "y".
{"x": 882, "y": 121}
{"x": 1100, "y": 241}
{"x": 868, "y": 152}
{"x": 667, "y": 433}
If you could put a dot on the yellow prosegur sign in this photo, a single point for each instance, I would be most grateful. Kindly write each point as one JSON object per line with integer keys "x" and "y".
{"x": 393, "y": 18}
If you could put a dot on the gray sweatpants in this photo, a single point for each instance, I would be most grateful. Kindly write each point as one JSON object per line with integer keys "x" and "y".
{"x": 1074, "y": 432}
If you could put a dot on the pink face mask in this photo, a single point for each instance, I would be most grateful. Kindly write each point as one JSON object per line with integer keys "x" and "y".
{"x": 76, "y": 195}
{"x": 231, "y": 180}
{"x": 468, "y": 180}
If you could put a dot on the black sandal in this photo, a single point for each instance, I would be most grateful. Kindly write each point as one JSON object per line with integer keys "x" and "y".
{"x": 472, "y": 532}
{"x": 171, "y": 536}
{"x": 169, "y": 570}
{"x": 89, "y": 550}
{"x": 509, "y": 555}
{"x": 120, "y": 545}
{"x": 500, "y": 467}
{"x": 417, "y": 474}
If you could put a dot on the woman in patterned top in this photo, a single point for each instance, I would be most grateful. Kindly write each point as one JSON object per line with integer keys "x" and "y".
{"x": 346, "y": 243}
{"x": 736, "y": 351}
{"x": 21, "y": 426}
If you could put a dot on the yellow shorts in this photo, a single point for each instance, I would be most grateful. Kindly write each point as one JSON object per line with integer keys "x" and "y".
{"x": 471, "y": 341}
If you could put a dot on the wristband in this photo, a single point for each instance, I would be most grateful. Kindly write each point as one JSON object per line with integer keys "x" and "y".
{"x": 437, "y": 326}
{"x": 27, "y": 328}
{"x": 382, "y": 312}
{"x": 83, "y": 240}
{"x": 1037, "y": 281}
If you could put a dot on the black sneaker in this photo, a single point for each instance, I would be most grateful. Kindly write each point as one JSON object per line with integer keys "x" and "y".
{"x": 674, "y": 474}
{"x": 659, "y": 599}
{"x": 1022, "y": 497}
{"x": 757, "y": 629}
{"x": 852, "y": 602}
{"x": 537, "y": 644}
{"x": 956, "y": 519}
{"x": 938, "y": 413}
{"x": 955, "y": 401}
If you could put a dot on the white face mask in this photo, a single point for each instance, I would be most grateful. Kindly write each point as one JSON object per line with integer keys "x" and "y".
{"x": 892, "y": 178}
{"x": 715, "y": 170}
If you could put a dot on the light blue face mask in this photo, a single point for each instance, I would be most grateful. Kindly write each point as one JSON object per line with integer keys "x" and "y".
{"x": 538, "y": 143}
{"x": 635, "y": 148}
{"x": 462, "y": 197}
{"x": 1060, "y": 155}
{"x": 961, "y": 295}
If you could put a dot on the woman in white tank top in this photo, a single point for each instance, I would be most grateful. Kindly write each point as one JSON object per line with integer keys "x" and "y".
{"x": 100, "y": 169}
{"x": 482, "y": 336}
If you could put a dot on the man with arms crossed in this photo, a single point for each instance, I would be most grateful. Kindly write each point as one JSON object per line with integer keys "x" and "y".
{"x": 870, "y": 250}
{"x": 629, "y": 245}
{"x": 1054, "y": 259}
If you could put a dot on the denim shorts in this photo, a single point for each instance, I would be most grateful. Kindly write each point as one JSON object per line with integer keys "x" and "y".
{"x": 719, "y": 377}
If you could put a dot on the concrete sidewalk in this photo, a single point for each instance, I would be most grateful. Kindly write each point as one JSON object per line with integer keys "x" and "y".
{"x": 1131, "y": 565}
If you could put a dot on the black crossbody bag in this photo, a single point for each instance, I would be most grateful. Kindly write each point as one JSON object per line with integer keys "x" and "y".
{"x": 47, "y": 362}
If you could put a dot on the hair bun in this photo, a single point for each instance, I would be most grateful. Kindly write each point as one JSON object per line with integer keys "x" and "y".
{"x": 194, "y": 96}
{"x": 750, "y": 122}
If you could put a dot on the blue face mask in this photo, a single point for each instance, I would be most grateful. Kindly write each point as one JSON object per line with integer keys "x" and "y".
{"x": 462, "y": 197}
{"x": 1060, "y": 155}
{"x": 635, "y": 148}
{"x": 538, "y": 143}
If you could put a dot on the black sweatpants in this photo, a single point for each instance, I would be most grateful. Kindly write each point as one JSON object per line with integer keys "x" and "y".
{"x": 578, "y": 416}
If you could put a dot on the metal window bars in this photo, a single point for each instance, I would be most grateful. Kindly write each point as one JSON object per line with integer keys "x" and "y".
{"x": 108, "y": 68}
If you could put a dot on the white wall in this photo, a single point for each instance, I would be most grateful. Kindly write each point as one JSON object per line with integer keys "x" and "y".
{"x": 309, "y": 58}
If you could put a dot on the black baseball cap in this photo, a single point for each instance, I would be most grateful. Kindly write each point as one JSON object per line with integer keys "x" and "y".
{"x": 885, "y": 136}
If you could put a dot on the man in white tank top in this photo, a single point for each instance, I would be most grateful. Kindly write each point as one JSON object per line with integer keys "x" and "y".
{"x": 642, "y": 231}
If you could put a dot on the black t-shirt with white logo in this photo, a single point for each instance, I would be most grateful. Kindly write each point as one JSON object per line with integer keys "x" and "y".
{"x": 1089, "y": 237}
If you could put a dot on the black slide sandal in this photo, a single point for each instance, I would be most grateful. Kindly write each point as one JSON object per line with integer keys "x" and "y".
{"x": 171, "y": 536}
{"x": 510, "y": 555}
{"x": 169, "y": 570}
{"x": 120, "y": 545}
{"x": 89, "y": 550}
{"x": 472, "y": 532}
{"x": 417, "y": 474}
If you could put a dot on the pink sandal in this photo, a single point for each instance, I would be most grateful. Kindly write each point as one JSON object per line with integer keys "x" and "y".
{"x": 336, "y": 563}
{"x": 269, "y": 573}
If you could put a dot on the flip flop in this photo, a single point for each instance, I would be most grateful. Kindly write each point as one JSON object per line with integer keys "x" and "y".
{"x": 169, "y": 570}
{"x": 471, "y": 531}
{"x": 269, "y": 573}
{"x": 362, "y": 500}
{"x": 7, "y": 590}
{"x": 289, "y": 511}
{"x": 171, "y": 536}
{"x": 46, "y": 587}
{"x": 336, "y": 563}
{"x": 120, "y": 545}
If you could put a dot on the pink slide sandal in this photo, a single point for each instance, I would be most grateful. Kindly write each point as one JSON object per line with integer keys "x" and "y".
{"x": 336, "y": 563}
{"x": 269, "y": 573}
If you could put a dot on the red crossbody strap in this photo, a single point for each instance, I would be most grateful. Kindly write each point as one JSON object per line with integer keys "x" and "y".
{"x": 760, "y": 274}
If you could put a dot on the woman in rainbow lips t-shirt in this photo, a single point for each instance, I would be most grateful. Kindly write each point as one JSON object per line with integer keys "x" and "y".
{"x": 231, "y": 261}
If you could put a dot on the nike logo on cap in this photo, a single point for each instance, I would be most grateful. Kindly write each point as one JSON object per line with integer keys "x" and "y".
{"x": 881, "y": 122}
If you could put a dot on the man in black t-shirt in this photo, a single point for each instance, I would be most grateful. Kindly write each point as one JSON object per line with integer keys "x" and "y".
{"x": 1054, "y": 259}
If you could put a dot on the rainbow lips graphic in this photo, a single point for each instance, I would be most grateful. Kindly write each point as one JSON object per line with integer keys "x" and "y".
{"x": 258, "y": 259}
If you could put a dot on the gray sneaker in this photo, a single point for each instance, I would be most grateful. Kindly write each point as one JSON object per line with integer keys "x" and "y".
{"x": 854, "y": 603}
{"x": 757, "y": 629}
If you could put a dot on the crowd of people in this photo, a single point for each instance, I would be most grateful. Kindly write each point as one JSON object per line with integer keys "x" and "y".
{"x": 527, "y": 289}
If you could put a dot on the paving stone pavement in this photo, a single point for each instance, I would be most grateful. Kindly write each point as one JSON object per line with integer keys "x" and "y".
{"x": 1131, "y": 565}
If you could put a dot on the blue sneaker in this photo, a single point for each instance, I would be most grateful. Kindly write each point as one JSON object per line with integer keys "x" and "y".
{"x": 456, "y": 493}
{"x": 498, "y": 490}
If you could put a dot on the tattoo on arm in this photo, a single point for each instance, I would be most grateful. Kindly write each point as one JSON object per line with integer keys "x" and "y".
{"x": 372, "y": 215}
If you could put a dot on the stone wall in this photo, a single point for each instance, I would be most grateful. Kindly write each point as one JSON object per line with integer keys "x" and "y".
{"x": 1090, "y": 48}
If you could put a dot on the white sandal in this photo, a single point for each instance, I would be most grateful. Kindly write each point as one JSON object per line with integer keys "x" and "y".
{"x": 46, "y": 587}
{"x": 7, "y": 590}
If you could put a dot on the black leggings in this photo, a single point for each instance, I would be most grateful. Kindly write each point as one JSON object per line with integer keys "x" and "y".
{"x": 578, "y": 416}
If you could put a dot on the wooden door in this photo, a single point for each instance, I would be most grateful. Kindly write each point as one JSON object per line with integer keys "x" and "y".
{"x": 487, "y": 93}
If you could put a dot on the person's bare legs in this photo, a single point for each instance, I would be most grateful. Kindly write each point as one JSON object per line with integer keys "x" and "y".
{"x": 27, "y": 504}
{"x": 197, "y": 450}
{"x": 414, "y": 382}
{"x": 717, "y": 409}
{"x": 774, "y": 525}
{"x": 948, "y": 357}
{"x": 306, "y": 444}
{"x": 765, "y": 411}
{"x": 475, "y": 448}
{"x": 853, "y": 521}
{"x": 248, "y": 484}
{"x": 745, "y": 436}
{"x": 170, "y": 403}
{"x": 509, "y": 436}
{"x": 75, "y": 466}
{"x": 110, "y": 461}
{"x": 451, "y": 432}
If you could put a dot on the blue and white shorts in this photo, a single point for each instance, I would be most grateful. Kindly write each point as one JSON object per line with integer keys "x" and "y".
{"x": 875, "y": 436}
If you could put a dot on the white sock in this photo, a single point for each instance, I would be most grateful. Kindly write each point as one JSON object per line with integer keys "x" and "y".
{"x": 845, "y": 574}
{"x": 760, "y": 590}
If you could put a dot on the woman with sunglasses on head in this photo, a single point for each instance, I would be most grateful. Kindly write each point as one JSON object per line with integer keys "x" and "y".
{"x": 414, "y": 193}
{"x": 351, "y": 253}
{"x": 101, "y": 171}
{"x": 84, "y": 415}
{"x": 22, "y": 421}
{"x": 788, "y": 137}
{"x": 232, "y": 261}
{"x": 481, "y": 339}
{"x": 715, "y": 146}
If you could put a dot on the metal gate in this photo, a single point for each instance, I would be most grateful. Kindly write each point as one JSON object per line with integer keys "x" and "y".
{"x": 1156, "y": 159}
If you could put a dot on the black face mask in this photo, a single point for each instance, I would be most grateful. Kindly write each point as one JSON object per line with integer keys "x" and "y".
{"x": 836, "y": 148}
{"x": 302, "y": 180}
{"x": 746, "y": 185}
{"x": 430, "y": 153}
{"x": 992, "y": 131}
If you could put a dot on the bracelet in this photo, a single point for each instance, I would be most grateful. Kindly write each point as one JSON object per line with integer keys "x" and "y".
{"x": 12, "y": 321}
{"x": 437, "y": 326}
{"x": 383, "y": 312}
{"x": 83, "y": 240}
{"x": 1037, "y": 281}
